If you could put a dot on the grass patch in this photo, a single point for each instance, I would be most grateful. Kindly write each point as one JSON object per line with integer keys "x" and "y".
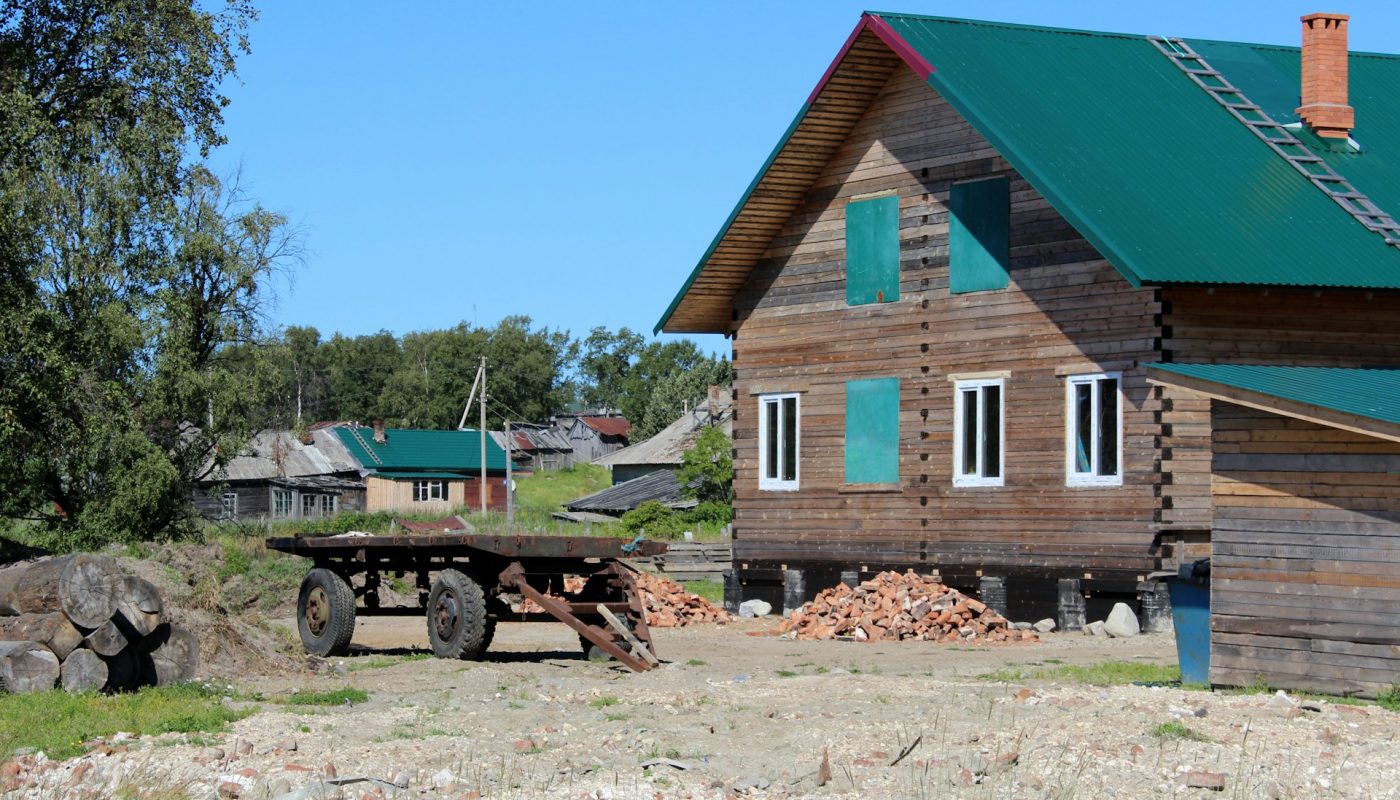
{"x": 334, "y": 697}
{"x": 1107, "y": 673}
{"x": 695, "y": 662}
{"x": 549, "y": 491}
{"x": 604, "y": 701}
{"x": 1390, "y": 698}
{"x": 786, "y": 673}
{"x": 380, "y": 662}
{"x": 1177, "y": 730}
{"x": 710, "y": 590}
{"x": 614, "y": 717}
{"x": 58, "y": 723}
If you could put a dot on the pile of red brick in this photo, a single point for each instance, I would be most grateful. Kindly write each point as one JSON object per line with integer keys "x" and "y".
{"x": 669, "y": 605}
{"x": 891, "y": 607}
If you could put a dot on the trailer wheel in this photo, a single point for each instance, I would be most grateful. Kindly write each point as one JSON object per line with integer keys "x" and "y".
{"x": 457, "y": 616}
{"x": 325, "y": 613}
{"x": 593, "y": 652}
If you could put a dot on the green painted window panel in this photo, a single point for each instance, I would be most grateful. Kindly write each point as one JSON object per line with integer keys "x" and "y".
{"x": 979, "y": 232}
{"x": 872, "y": 251}
{"x": 872, "y": 431}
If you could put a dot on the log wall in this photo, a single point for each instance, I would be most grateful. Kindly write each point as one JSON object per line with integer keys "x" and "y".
{"x": 1066, "y": 311}
{"x": 1305, "y": 584}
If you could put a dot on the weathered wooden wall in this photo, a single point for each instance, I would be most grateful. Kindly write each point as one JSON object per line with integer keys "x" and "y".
{"x": 1256, "y": 325}
{"x": 1305, "y": 583}
{"x": 1067, "y": 311}
{"x": 397, "y": 495}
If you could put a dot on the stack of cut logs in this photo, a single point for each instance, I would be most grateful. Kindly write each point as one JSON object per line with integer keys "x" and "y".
{"x": 81, "y": 621}
{"x": 669, "y": 605}
{"x": 891, "y": 606}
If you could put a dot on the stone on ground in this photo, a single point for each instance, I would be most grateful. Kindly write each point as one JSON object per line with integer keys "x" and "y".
{"x": 1122, "y": 623}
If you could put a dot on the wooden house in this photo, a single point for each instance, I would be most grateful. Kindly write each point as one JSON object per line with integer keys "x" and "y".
{"x": 425, "y": 471}
{"x": 283, "y": 476}
{"x": 947, "y": 285}
{"x": 593, "y": 436}
{"x": 664, "y": 450}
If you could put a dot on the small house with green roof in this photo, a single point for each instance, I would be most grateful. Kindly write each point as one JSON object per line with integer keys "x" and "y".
{"x": 409, "y": 470}
{"x": 991, "y": 299}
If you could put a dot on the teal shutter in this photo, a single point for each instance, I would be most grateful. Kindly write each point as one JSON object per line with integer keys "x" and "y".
{"x": 979, "y": 233}
{"x": 872, "y": 251}
{"x": 872, "y": 431}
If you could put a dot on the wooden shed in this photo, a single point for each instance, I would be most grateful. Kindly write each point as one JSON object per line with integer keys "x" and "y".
{"x": 1305, "y": 544}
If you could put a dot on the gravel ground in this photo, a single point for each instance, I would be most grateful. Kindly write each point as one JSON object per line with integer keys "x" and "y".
{"x": 739, "y": 712}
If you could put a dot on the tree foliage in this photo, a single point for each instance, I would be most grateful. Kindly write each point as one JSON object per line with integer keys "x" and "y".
{"x": 709, "y": 465}
{"x": 125, "y": 267}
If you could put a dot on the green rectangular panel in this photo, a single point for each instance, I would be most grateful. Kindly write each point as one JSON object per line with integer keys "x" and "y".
{"x": 979, "y": 231}
{"x": 872, "y": 251}
{"x": 872, "y": 431}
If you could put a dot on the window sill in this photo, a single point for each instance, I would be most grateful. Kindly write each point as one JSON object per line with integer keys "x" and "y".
{"x": 870, "y": 488}
{"x": 979, "y": 485}
{"x": 1094, "y": 484}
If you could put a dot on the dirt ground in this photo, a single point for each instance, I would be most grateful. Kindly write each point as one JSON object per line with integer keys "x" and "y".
{"x": 738, "y": 712}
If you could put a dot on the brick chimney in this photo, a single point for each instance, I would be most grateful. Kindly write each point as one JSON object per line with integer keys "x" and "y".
{"x": 1325, "y": 108}
{"x": 379, "y": 436}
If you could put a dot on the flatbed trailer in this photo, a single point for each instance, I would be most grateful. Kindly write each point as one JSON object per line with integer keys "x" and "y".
{"x": 462, "y": 580}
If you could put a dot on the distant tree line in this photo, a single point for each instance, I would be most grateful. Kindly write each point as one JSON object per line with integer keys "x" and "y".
{"x": 134, "y": 354}
{"x": 423, "y": 379}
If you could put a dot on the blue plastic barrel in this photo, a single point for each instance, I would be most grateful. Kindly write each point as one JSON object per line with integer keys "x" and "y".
{"x": 1190, "y": 591}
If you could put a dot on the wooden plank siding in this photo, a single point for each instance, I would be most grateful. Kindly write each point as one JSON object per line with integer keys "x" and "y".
{"x": 1255, "y": 325}
{"x": 1066, "y": 311}
{"x": 383, "y": 494}
{"x": 1305, "y": 568}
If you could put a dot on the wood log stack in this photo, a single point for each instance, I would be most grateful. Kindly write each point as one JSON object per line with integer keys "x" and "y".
{"x": 669, "y": 605}
{"x": 893, "y": 607}
{"x": 81, "y": 621}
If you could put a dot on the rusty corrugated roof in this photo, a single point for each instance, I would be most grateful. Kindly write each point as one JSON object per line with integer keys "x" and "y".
{"x": 608, "y": 426}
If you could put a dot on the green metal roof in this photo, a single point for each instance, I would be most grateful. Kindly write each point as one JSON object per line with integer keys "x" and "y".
{"x": 1370, "y": 393}
{"x": 1148, "y": 167}
{"x": 1157, "y": 175}
{"x": 426, "y": 475}
{"x": 414, "y": 449}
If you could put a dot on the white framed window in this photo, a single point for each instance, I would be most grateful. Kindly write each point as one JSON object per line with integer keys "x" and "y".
{"x": 1094, "y": 430}
{"x": 979, "y": 438}
{"x": 424, "y": 491}
{"x": 281, "y": 503}
{"x": 317, "y": 505}
{"x": 779, "y": 438}
{"x": 229, "y": 500}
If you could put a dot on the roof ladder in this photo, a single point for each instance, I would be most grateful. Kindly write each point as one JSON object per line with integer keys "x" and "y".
{"x": 1279, "y": 138}
{"x": 355, "y": 432}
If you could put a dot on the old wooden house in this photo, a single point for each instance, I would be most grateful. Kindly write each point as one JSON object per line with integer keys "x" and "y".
{"x": 948, "y": 284}
{"x": 664, "y": 450}
{"x": 592, "y": 436}
{"x": 280, "y": 476}
{"x": 425, "y": 471}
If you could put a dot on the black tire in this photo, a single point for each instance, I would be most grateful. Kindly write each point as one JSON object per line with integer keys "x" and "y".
{"x": 457, "y": 622}
{"x": 496, "y": 608}
{"x": 325, "y": 613}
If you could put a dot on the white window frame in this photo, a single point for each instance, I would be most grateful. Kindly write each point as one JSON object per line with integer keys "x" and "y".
{"x": 960, "y": 388}
{"x": 1091, "y": 478}
{"x": 229, "y": 501}
{"x": 429, "y": 490}
{"x": 280, "y": 496}
{"x": 776, "y": 400}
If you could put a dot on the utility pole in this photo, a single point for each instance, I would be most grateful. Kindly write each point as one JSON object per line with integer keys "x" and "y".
{"x": 510, "y": 493}
{"x": 483, "y": 434}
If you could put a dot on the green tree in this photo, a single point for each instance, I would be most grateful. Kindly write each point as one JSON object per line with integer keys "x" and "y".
{"x": 125, "y": 270}
{"x": 676, "y": 391}
{"x": 709, "y": 464}
{"x": 604, "y": 364}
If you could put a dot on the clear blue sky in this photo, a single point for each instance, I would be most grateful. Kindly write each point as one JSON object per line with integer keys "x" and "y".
{"x": 566, "y": 160}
